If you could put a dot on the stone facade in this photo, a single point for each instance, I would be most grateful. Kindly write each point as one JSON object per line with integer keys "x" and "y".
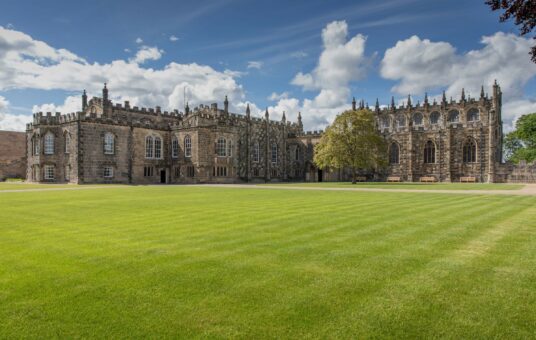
{"x": 107, "y": 143}
{"x": 12, "y": 155}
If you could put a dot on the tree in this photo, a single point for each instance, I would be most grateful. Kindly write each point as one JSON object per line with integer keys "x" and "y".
{"x": 353, "y": 142}
{"x": 523, "y": 12}
{"x": 520, "y": 144}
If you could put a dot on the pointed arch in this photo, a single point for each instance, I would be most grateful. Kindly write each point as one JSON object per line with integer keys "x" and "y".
{"x": 149, "y": 142}
{"x": 429, "y": 152}
{"x": 469, "y": 151}
{"x": 187, "y": 146}
{"x": 435, "y": 118}
{"x": 453, "y": 116}
{"x": 175, "y": 147}
{"x": 473, "y": 115}
{"x": 49, "y": 143}
{"x": 418, "y": 119}
{"x": 394, "y": 153}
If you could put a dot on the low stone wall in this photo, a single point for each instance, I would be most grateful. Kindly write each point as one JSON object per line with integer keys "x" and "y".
{"x": 517, "y": 173}
{"x": 12, "y": 155}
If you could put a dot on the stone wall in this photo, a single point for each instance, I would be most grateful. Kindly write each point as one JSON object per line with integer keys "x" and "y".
{"x": 12, "y": 155}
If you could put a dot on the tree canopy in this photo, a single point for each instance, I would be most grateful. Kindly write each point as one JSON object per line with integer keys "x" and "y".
{"x": 523, "y": 12}
{"x": 353, "y": 142}
{"x": 520, "y": 144}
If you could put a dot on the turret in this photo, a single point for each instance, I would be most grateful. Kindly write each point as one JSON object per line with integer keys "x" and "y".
{"x": 426, "y": 99}
{"x": 409, "y": 101}
{"x": 186, "y": 109}
{"x": 284, "y": 118}
{"x": 266, "y": 115}
{"x": 105, "y": 94}
{"x": 482, "y": 93}
{"x": 84, "y": 100}
{"x": 463, "y": 95}
{"x": 248, "y": 112}
{"x": 377, "y": 106}
{"x": 393, "y": 107}
{"x": 444, "y": 100}
{"x": 300, "y": 124}
{"x": 353, "y": 104}
{"x": 226, "y": 105}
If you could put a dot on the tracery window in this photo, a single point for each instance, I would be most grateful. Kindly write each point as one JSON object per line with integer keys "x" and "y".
{"x": 417, "y": 119}
{"x": 401, "y": 120}
{"x": 429, "y": 152}
{"x": 469, "y": 151}
{"x": 157, "y": 148}
{"x": 274, "y": 153}
{"x": 454, "y": 116}
{"x": 434, "y": 118}
{"x": 385, "y": 122}
{"x": 473, "y": 115}
{"x": 149, "y": 142}
{"x": 394, "y": 153}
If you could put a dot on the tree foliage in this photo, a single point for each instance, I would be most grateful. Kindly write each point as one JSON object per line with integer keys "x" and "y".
{"x": 353, "y": 142}
{"x": 520, "y": 144}
{"x": 523, "y": 12}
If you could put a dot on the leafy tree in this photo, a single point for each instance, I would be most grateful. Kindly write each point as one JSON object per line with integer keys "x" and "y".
{"x": 353, "y": 142}
{"x": 523, "y": 12}
{"x": 520, "y": 144}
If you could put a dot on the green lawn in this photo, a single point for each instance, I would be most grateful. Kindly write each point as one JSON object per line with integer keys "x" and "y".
{"x": 176, "y": 261}
{"x": 26, "y": 186}
{"x": 409, "y": 185}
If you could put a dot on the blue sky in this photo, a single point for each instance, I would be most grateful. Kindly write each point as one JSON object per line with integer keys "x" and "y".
{"x": 254, "y": 51}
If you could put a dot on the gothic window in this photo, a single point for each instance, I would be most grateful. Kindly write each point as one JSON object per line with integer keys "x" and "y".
{"x": 221, "y": 146}
{"x": 454, "y": 116}
{"x": 149, "y": 142}
{"x": 401, "y": 121}
{"x": 230, "y": 149}
{"x": 473, "y": 115}
{"x": 49, "y": 143}
{"x": 417, "y": 119}
{"x": 67, "y": 142}
{"x": 187, "y": 146}
{"x": 157, "y": 148}
{"x": 469, "y": 151}
{"x": 49, "y": 172}
{"x": 297, "y": 154}
{"x": 109, "y": 141}
{"x": 429, "y": 152}
{"x": 274, "y": 153}
{"x": 434, "y": 118}
{"x": 394, "y": 153}
{"x": 256, "y": 152}
{"x": 175, "y": 147}
{"x": 385, "y": 122}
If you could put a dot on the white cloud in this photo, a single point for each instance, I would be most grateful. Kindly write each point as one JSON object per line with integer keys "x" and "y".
{"x": 71, "y": 104}
{"x": 147, "y": 53}
{"x": 421, "y": 65}
{"x": 173, "y": 38}
{"x": 26, "y": 63}
{"x": 299, "y": 54}
{"x": 277, "y": 96}
{"x": 342, "y": 61}
{"x": 514, "y": 109}
{"x": 11, "y": 122}
{"x": 255, "y": 64}
{"x": 127, "y": 50}
{"x": 139, "y": 41}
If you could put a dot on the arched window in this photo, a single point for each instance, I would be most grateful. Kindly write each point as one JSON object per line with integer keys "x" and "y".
{"x": 385, "y": 122}
{"x": 109, "y": 141}
{"x": 401, "y": 120}
{"x": 429, "y": 152}
{"x": 473, "y": 115}
{"x": 49, "y": 143}
{"x": 417, "y": 119}
{"x": 149, "y": 147}
{"x": 157, "y": 148}
{"x": 67, "y": 142}
{"x": 256, "y": 152}
{"x": 454, "y": 116}
{"x": 434, "y": 118}
{"x": 230, "y": 148}
{"x": 469, "y": 151}
{"x": 174, "y": 147}
{"x": 297, "y": 155}
{"x": 187, "y": 146}
{"x": 221, "y": 146}
{"x": 274, "y": 153}
{"x": 394, "y": 153}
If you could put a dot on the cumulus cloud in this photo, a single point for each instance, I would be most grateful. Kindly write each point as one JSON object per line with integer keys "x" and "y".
{"x": 342, "y": 61}
{"x": 139, "y": 41}
{"x": 421, "y": 65}
{"x": 173, "y": 38}
{"x": 11, "y": 122}
{"x": 26, "y": 63}
{"x": 255, "y": 64}
{"x": 147, "y": 53}
{"x": 278, "y": 96}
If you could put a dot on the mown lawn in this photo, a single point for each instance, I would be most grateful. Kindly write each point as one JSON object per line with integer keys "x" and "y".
{"x": 188, "y": 262}
{"x": 409, "y": 185}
